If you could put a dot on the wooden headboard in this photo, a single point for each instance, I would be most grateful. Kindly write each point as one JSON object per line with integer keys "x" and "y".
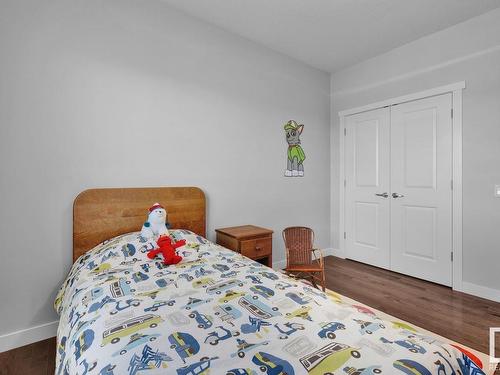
{"x": 101, "y": 214}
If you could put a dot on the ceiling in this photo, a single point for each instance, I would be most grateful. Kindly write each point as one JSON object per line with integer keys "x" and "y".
{"x": 333, "y": 34}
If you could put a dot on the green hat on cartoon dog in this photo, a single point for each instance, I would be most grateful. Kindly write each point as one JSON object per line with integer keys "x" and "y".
{"x": 291, "y": 125}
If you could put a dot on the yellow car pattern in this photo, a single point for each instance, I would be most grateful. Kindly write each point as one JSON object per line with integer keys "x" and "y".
{"x": 130, "y": 327}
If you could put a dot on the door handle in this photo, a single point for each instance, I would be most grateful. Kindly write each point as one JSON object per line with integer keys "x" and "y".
{"x": 396, "y": 195}
{"x": 384, "y": 195}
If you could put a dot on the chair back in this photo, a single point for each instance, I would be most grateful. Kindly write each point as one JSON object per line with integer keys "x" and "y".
{"x": 299, "y": 243}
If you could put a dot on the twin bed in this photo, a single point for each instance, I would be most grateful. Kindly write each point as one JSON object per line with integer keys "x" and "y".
{"x": 216, "y": 312}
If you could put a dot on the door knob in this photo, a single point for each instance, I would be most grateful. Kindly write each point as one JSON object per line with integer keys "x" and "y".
{"x": 384, "y": 195}
{"x": 396, "y": 195}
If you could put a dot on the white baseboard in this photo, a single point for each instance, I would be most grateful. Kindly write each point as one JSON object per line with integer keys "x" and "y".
{"x": 337, "y": 253}
{"x": 27, "y": 336}
{"x": 281, "y": 264}
{"x": 481, "y": 291}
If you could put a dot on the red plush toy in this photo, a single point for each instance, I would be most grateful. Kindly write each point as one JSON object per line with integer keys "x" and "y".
{"x": 167, "y": 249}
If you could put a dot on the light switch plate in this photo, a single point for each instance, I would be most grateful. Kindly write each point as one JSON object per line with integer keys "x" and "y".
{"x": 497, "y": 191}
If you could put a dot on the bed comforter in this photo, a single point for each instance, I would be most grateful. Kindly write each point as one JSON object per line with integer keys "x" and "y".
{"x": 221, "y": 313}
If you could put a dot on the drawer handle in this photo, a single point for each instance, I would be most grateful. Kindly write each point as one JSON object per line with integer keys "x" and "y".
{"x": 258, "y": 248}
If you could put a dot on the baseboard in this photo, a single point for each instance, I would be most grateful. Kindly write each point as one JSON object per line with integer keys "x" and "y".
{"x": 481, "y": 291}
{"x": 281, "y": 264}
{"x": 336, "y": 252}
{"x": 27, "y": 336}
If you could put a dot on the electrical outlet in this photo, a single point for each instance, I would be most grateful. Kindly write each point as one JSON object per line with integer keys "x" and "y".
{"x": 497, "y": 191}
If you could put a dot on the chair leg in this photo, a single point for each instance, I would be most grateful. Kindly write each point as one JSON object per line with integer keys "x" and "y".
{"x": 313, "y": 281}
{"x": 323, "y": 280}
{"x": 293, "y": 275}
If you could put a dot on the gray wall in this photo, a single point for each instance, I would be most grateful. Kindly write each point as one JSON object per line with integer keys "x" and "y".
{"x": 131, "y": 93}
{"x": 469, "y": 51}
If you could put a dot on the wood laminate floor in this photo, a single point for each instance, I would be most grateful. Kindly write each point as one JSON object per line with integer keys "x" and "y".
{"x": 458, "y": 316}
{"x": 34, "y": 359}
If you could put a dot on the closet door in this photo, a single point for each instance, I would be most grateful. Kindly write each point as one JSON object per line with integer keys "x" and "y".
{"x": 421, "y": 195}
{"x": 367, "y": 172}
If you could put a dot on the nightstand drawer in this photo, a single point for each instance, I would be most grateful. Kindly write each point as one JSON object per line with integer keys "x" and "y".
{"x": 249, "y": 240}
{"x": 256, "y": 248}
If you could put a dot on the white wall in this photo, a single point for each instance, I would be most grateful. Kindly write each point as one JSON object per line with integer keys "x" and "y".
{"x": 131, "y": 93}
{"x": 469, "y": 51}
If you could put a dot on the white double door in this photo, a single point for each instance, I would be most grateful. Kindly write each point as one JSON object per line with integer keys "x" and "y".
{"x": 398, "y": 188}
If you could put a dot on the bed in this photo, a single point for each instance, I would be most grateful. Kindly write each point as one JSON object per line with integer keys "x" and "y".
{"x": 216, "y": 312}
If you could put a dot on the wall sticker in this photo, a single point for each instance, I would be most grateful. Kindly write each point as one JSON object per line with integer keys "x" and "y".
{"x": 295, "y": 153}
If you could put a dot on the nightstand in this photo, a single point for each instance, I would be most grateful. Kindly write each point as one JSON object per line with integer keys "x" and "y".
{"x": 253, "y": 242}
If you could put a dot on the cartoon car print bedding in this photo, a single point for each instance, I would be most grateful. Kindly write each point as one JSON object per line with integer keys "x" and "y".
{"x": 218, "y": 313}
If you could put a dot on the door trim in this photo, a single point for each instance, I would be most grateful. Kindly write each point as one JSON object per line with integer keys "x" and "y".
{"x": 456, "y": 90}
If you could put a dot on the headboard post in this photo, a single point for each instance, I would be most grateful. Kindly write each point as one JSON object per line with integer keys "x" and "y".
{"x": 101, "y": 214}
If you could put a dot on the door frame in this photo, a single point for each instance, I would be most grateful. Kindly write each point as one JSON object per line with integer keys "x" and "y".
{"x": 456, "y": 90}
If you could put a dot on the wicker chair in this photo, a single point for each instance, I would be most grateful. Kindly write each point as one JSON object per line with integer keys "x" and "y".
{"x": 302, "y": 259}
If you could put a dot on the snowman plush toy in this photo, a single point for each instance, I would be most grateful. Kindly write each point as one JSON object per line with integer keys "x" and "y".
{"x": 156, "y": 225}
{"x": 155, "y": 230}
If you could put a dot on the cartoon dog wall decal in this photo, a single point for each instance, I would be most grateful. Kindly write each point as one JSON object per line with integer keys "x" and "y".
{"x": 295, "y": 153}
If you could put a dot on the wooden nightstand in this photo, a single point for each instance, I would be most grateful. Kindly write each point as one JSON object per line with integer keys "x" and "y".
{"x": 249, "y": 240}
